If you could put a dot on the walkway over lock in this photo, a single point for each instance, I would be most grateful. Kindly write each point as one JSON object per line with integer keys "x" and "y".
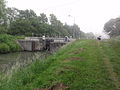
{"x": 38, "y": 44}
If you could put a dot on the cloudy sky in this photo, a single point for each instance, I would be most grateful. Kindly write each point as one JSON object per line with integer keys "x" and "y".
{"x": 90, "y": 15}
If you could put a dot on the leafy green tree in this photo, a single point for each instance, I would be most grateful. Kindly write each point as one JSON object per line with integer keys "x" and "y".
{"x": 22, "y": 22}
{"x": 3, "y": 18}
{"x": 2, "y": 11}
{"x": 27, "y": 14}
{"x": 21, "y": 27}
{"x": 43, "y": 18}
{"x": 112, "y": 27}
{"x": 53, "y": 20}
{"x": 12, "y": 14}
{"x": 26, "y": 22}
{"x": 57, "y": 26}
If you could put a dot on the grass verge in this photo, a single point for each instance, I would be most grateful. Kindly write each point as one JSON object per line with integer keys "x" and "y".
{"x": 77, "y": 66}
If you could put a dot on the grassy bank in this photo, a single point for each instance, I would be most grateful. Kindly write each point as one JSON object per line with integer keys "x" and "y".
{"x": 77, "y": 66}
{"x": 8, "y": 44}
{"x": 112, "y": 51}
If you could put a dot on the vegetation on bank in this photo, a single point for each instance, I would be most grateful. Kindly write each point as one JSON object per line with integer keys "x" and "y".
{"x": 8, "y": 43}
{"x": 77, "y": 66}
{"x": 112, "y": 50}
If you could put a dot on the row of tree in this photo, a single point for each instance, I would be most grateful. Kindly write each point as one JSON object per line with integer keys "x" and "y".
{"x": 25, "y": 22}
{"x": 112, "y": 27}
{"x": 2, "y": 16}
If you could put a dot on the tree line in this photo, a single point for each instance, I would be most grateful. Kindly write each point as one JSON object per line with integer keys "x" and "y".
{"x": 26, "y": 22}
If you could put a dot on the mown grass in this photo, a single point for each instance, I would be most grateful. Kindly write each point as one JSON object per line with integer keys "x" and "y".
{"x": 77, "y": 66}
{"x": 112, "y": 50}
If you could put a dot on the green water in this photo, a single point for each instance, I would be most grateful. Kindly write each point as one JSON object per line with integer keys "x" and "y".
{"x": 23, "y": 58}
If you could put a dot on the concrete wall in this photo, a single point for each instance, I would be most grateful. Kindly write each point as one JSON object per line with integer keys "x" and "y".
{"x": 31, "y": 45}
{"x": 26, "y": 45}
{"x": 39, "y": 45}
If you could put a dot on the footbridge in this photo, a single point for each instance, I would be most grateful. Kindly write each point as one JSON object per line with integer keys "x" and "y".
{"x": 38, "y": 43}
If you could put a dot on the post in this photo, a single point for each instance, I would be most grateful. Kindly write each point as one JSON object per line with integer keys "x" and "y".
{"x": 73, "y": 25}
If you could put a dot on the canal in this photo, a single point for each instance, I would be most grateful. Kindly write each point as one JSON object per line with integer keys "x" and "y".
{"x": 19, "y": 59}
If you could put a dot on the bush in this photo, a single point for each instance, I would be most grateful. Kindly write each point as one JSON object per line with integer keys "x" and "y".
{"x": 4, "y": 48}
{"x": 20, "y": 37}
{"x": 6, "y": 38}
{"x": 3, "y": 30}
{"x": 9, "y": 42}
{"x": 13, "y": 46}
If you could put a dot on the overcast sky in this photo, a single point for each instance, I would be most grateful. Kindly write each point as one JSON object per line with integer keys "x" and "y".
{"x": 90, "y": 15}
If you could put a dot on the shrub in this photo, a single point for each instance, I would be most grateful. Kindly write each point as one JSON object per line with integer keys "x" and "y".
{"x": 9, "y": 42}
{"x": 20, "y": 37}
{"x": 5, "y": 38}
{"x": 4, "y": 48}
{"x": 13, "y": 46}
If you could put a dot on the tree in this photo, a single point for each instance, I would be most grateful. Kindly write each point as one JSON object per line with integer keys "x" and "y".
{"x": 76, "y": 31}
{"x": 57, "y": 26}
{"x": 20, "y": 27}
{"x": 2, "y": 11}
{"x": 90, "y": 35}
{"x": 27, "y": 14}
{"x": 43, "y": 18}
{"x": 3, "y": 19}
{"x": 53, "y": 20}
{"x": 12, "y": 14}
{"x": 26, "y": 22}
{"x": 112, "y": 27}
{"x": 82, "y": 35}
{"x": 22, "y": 22}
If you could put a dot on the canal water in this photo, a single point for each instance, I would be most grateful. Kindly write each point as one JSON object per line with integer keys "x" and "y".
{"x": 7, "y": 61}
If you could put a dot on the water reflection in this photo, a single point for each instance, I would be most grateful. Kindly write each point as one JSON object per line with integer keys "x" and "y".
{"x": 19, "y": 59}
